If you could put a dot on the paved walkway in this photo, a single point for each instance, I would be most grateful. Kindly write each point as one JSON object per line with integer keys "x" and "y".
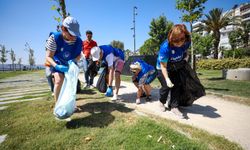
{"x": 211, "y": 113}
{"x": 15, "y": 89}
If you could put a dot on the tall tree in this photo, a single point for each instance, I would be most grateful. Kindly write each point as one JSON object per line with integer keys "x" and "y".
{"x": 61, "y": 9}
{"x": 202, "y": 44}
{"x": 192, "y": 11}
{"x": 213, "y": 22}
{"x": 31, "y": 54}
{"x": 245, "y": 33}
{"x": 150, "y": 47}
{"x": 19, "y": 62}
{"x": 13, "y": 58}
{"x": 117, "y": 44}
{"x": 159, "y": 29}
{"x": 4, "y": 52}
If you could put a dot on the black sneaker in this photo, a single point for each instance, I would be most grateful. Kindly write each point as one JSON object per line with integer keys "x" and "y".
{"x": 143, "y": 95}
{"x": 148, "y": 98}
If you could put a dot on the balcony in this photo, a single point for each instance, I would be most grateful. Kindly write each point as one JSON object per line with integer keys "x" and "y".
{"x": 245, "y": 12}
{"x": 246, "y": 19}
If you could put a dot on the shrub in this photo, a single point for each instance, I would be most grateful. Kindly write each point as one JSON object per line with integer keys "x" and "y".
{"x": 223, "y": 63}
{"x": 239, "y": 53}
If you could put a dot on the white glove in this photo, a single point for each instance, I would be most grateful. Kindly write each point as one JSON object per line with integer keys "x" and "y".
{"x": 169, "y": 83}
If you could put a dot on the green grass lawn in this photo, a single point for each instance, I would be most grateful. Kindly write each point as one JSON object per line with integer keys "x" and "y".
{"x": 213, "y": 82}
{"x": 99, "y": 124}
{"x": 7, "y": 74}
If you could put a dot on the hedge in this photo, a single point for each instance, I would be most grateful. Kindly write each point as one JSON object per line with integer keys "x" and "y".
{"x": 227, "y": 63}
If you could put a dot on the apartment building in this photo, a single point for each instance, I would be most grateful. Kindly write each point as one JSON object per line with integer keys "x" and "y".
{"x": 242, "y": 11}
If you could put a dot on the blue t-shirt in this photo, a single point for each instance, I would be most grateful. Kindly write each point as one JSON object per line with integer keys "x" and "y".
{"x": 119, "y": 53}
{"x": 108, "y": 49}
{"x": 65, "y": 51}
{"x": 171, "y": 54}
{"x": 145, "y": 68}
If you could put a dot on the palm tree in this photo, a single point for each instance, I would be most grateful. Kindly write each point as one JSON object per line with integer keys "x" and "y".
{"x": 215, "y": 21}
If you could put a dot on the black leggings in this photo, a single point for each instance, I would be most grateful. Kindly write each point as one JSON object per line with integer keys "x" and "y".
{"x": 165, "y": 90}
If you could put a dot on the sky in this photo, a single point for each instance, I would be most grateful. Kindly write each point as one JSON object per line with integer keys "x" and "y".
{"x": 32, "y": 20}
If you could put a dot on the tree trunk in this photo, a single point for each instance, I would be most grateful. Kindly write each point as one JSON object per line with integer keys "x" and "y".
{"x": 63, "y": 8}
{"x": 3, "y": 66}
{"x": 216, "y": 44}
{"x": 192, "y": 49}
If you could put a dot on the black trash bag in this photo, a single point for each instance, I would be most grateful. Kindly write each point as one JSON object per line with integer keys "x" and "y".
{"x": 93, "y": 68}
{"x": 78, "y": 86}
{"x": 187, "y": 86}
{"x": 101, "y": 84}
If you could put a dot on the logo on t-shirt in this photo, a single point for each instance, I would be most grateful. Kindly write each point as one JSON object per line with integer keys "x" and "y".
{"x": 66, "y": 55}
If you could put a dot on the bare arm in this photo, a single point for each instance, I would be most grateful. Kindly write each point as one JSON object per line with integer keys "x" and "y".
{"x": 164, "y": 70}
{"x": 165, "y": 74}
{"x": 49, "y": 57}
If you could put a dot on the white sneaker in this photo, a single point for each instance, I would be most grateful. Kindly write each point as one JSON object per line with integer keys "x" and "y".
{"x": 86, "y": 86}
{"x": 91, "y": 87}
{"x": 115, "y": 97}
{"x": 137, "y": 101}
{"x": 66, "y": 119}
{"x": 177, "y": 112}
{"x": 162, "y": 107}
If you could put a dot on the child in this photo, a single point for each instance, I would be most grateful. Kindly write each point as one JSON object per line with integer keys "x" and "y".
{"x": 143, "y": 75}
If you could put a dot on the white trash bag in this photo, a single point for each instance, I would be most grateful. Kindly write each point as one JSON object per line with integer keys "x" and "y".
{"x": 66, "y": 102}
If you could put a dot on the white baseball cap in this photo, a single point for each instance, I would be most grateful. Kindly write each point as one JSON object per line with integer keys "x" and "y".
{"x": 95, "y": 53}
{"x": 72, "y": 25}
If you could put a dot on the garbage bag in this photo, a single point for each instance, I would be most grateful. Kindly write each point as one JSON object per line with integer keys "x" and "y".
{"x": 187, "y": 86}
{"x": 66, "y": 102}
{"x": 101, "y": 84}
{"x": 93, "y": 68}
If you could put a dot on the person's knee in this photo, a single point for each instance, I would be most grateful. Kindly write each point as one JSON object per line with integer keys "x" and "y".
{"x": 58, "y": 82}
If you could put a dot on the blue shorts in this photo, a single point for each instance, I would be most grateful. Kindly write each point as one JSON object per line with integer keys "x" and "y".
{"x": 151, "y": 78}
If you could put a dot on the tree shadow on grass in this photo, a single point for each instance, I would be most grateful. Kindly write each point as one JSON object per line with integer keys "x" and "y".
{"x": 87, "y": 91}
{"x": 131, "y": 97}
{"x": 100, "y": 114}
{"x": 216, "y": 78}
{"x": 206, "y": 111}
{"x": 83, "y": 98}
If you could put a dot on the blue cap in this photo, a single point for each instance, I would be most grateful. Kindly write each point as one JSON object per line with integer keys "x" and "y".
{"x": 72, "y": 25}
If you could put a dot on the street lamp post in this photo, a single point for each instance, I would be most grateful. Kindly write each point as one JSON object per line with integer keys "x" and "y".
{"x": 134, "y": 14}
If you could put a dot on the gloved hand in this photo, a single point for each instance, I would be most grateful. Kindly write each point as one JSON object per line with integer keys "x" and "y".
{"x": 62, "y": 68}
{"x": 169, "y": 83}
{"x": 109, "y": 92}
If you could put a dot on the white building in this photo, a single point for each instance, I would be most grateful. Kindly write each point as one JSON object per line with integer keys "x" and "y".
{"x": 243, "y": 11}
